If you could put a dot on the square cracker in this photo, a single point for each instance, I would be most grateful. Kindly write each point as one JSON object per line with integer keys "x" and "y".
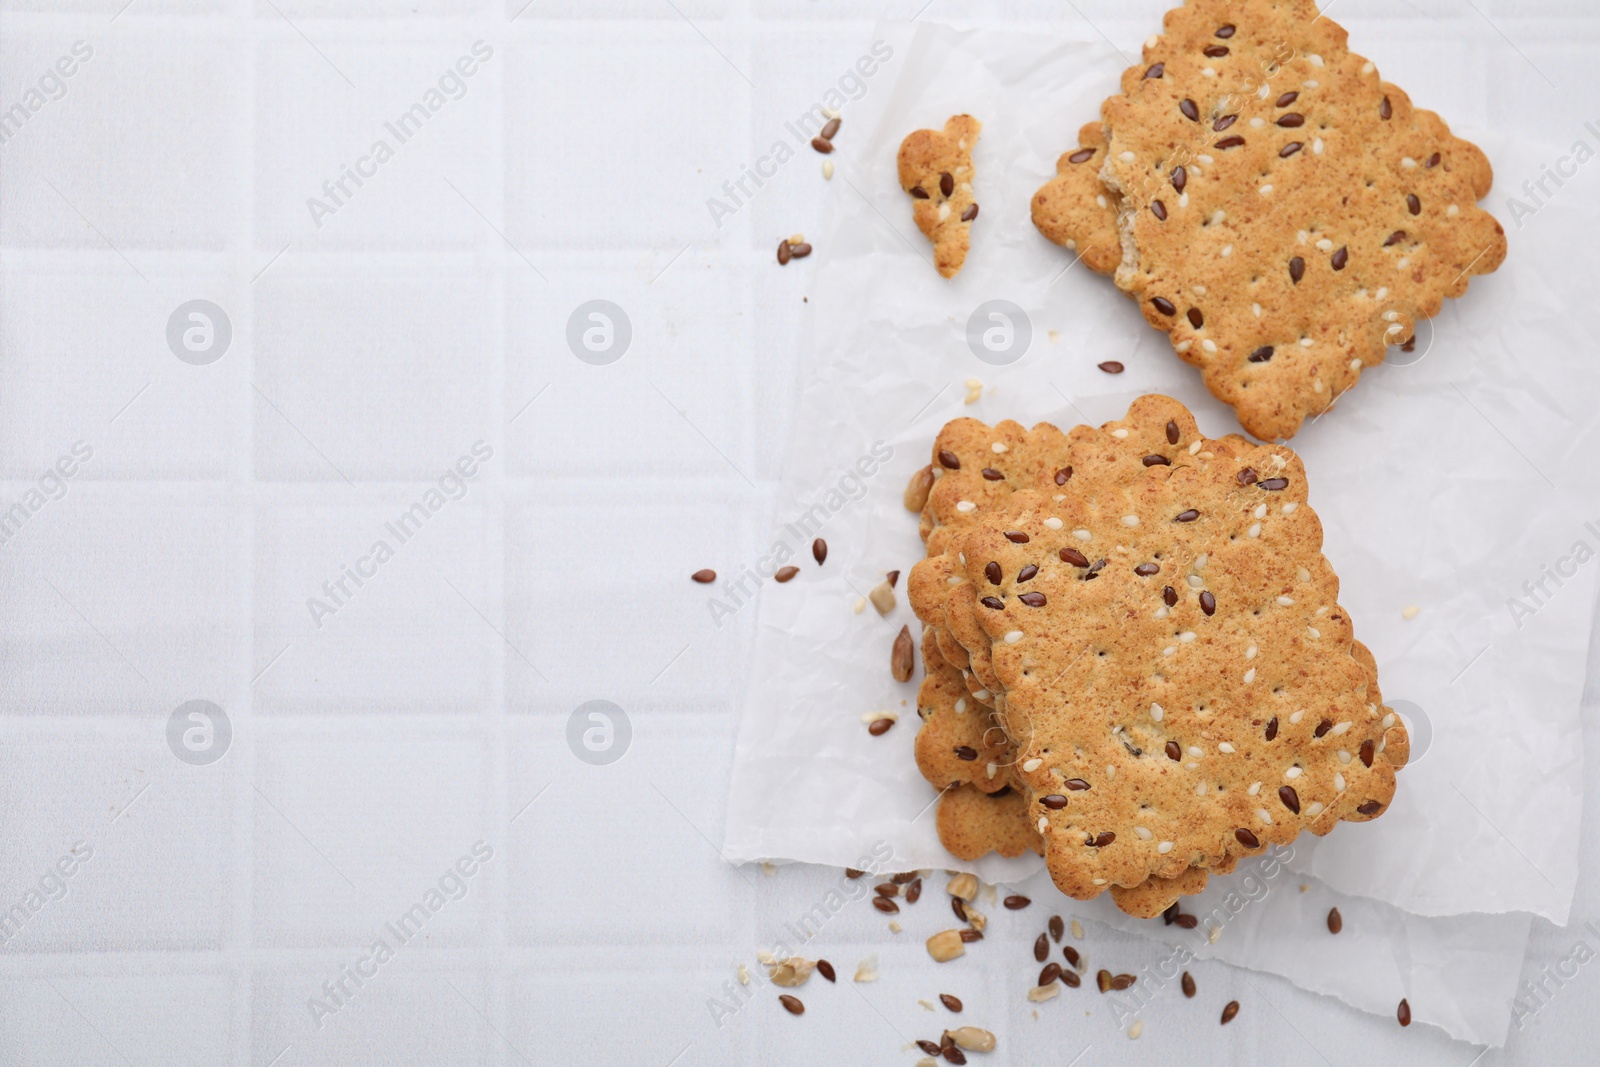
{"x": 1266, "y": 701}
{"x": 1286, "y": 214}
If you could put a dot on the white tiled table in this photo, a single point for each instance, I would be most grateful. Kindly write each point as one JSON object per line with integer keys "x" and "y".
{"x": 429, "y": 712}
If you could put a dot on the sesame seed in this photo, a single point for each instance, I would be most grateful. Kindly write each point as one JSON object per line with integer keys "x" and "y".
{"x": 1186, "y": 636}
{"x": 1130, "y": 520}
{"x": 1315, "y": 809}
{"x": 1208, "y": 344}
{"x": 1341, "y": 728}
{"x": 1044, "y": 824}
{"x": 1033, "y": 764}
{"x": 1143, "y": 832}
{"x": 1225, "y": 747}
{"x": 1265, "y": 189}
{"x": 1314, "y": 59}
{"x": 1285, "y": 601}
{"x": 1196, "y": 750}
{"x": 1013, "y": 637}
{"x": 961, "y": 705}
{"x": 1344, "y": 756}
{"x": 1338, "y": 782}
{"x": 1250, "y": 653}
{"x": 1453, "y": 210}
{"x": 1200, "y": 790}
{"x": 992, "y": 769}
{"x": 1119, "y": 434}
{"x": 1264, "y": 815}
{"x": 1355, "y": 364}
{"x": 1184, "y": 346}
{"x": 998, "y": 447}
{"x": 1156, "y": 711}
{"x": 1194, "y": 448}
{"x": 1169, "y": 650}
{"x": 1302, "y": 574}
{"x": 1325, "y": 245}
{"x": 1288, "y": 509}
{"x": 1053, "y": 523}
{"x": 1316, "y": 147}
{"x": 981, "y": 694}
{"x": 1255, "y": 787}
{"x": 1082, "y": 535}
{"x": 1249, "y": 676}
{"x": 1127, "y": 157}
{"x": 1164, "y": 847}
{"x": 965, "y": 505}
{"x": 1294, "y": 719}
{"x": 1256, "y": 310}
{"x": 1254, "y": 531}
{"x": 1313, "y": 632}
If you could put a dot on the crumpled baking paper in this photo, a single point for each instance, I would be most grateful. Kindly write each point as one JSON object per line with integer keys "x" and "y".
{"x": 1453, "y": 484}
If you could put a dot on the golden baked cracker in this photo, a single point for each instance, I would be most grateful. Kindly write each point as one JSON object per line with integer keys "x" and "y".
{"x": 1186, "y": 715}
{"x": 936, "y": 172}
{"x": 1075, "y": 210}
{"x": 1286, "y": 214}
{"x": 958, "y": 740}
{"x": 973, "y": 824}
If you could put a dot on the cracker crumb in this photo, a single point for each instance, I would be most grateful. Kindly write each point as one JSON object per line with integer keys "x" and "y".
{"x": 1055, "y": 336}
{"x": 744, "y": 975}
{"x": 767, "y": 868}
{"x": 1213, "y": 934}
{"x": 1410, "y": 612}
{"x": 861, "y": 605}
{"x": 1041, "y": 993}
{"x": 926, "y": 1005}
{"x": 867, "y": 970}
{"x": 1136, "y": 1029}
{"x": 894, "y": 927}
{"x": 827, "y": 168}
{"x": 1077, "y": 929}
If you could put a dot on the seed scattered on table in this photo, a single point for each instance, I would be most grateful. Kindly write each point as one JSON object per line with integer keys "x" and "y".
{"x": 705, "y": 576}
{"x": 1229, "y": 1012}
{"x": 1102, "y": 979}
{"x": 1404, "y": 1012}
{"x": 1188, "y": 922}
{"x": 914, "y": 891}
{"x": 903, "y": 656}
{"x": 887, "y": 889}
{"x": 1111, "y": 366}
{"x": 949, "y": 1001}
{"x": 786, "y": 573}
{"x": 792, "y": 1003}
{"x": 1188, "y": 984}
{"x": 822, "y": 144}
{"x": 1071, "y": 978}
{"x": 1335, "y": 921}
{"x": 819, "y": 551}
{"x": 885, "y": 905}
{"x": 1072, "y": 956}
{"x": 946, "y": 945}
{"x": 882, "y": 597}
{"x": 800, "y": 250}
{"x": 1016, "y": 902}
{"x": 785, "y": 253}
{"x": 825, "y": 969}
{"x": 880, "y": 727}
{"x": 1051, "y": 972}
{"x": 851, "y": 872}
{"x": 1123, "y": 981}
{"x": 1041, "y": 948}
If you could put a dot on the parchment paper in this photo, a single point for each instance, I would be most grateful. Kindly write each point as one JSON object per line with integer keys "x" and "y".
{"x": 1453, "y": 484}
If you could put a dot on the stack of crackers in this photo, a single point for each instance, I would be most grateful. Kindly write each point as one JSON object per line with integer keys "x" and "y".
{"x": 1136, "y": 660}
{"x": 1283, "y": 213}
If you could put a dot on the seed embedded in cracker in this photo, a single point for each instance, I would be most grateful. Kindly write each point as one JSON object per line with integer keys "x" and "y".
{"x": 935, "y": 168}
